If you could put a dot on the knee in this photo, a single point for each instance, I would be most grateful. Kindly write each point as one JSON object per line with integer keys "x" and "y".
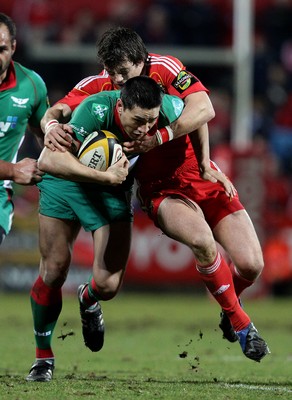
{"x": 54, "y": 272}
{"x": 251, "y": 268}
{"x": 204, "y": 249}
{"x": 107, "y": 289}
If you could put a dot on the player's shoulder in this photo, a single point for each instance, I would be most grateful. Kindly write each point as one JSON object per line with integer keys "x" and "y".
{"x": 95, "y": 83}
{"x": 22, "y": 71}
{"x": 171, "y": 63}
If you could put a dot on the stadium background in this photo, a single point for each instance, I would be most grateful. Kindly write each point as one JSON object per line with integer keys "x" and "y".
{"x": 57, "y": 39}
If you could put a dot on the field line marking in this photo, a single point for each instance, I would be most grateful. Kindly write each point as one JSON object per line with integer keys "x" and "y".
{"x": 255, "y": 387}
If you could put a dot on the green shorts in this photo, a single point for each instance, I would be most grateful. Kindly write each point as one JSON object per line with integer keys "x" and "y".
{"x": 93, "y": 205}
{"x": 6, "y": 207}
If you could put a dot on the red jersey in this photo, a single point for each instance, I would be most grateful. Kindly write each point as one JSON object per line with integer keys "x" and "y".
{"x": 167, "y": 71}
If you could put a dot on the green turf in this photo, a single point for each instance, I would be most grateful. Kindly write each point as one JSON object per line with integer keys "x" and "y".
{"x": 146, "y": 338}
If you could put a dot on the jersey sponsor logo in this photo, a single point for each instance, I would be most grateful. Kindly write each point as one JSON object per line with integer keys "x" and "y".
{"x": 80, "y": 130}
{"x": 10, "y": 123}
{"x": 17, "y": 102}
{"x": 178, "y": 106}
{"x": 99, "y": 110}
{"x": 183, "y": 81}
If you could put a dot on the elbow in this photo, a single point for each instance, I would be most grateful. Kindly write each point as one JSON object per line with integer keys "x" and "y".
{"x": 43, "y": 161}
{"x": 212, "y": 114}
{"x": 43, "y": 166}
{"x": 209, "y": 113}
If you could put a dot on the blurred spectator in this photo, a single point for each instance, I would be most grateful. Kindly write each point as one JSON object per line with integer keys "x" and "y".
{"x": 275, "y": 23}
{"x": 286, "y": 55}
{"x": 261, "y": 61}
{"x": 157, "y": 26}
{"x": 126, "y": 13}
{"x": 279, "y": 192}
{"x": 219, "y": 126}
{"x": 261, "y": 118}
{"x": 81, "y": 30}
{"x": 224, "y": 11}
{"x": 281, "y": 135}
{"x": 197, "y": 23}
{"x": 40, "y": 18}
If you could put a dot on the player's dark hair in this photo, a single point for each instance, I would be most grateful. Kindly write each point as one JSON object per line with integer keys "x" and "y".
{"x": 119, "y": 45}
{"x": 141, "y": 91}
{"x": 5, "y": 20}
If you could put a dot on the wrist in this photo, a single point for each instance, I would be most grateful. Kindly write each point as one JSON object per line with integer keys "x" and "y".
{"x": 164, "y": 135}
{"x": 49, "y": 125}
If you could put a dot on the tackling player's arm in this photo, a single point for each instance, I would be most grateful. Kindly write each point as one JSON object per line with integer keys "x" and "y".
{"x": 198, "y": 111}
{"x": 66, "y": 166}
{"x": 54, "y": 123}
{"x": 57, "y": 132}
{"x": 200, "y": 143}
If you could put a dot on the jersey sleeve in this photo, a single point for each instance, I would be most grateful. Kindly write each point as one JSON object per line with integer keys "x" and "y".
{"x": 171, "y": 109}
{"x": 86, "y": 87}
{"x": 172, "y": 75}
{"x": 41, "y": 100}
{"x": 73, "y": 98}
{"x": 186, "y": 83}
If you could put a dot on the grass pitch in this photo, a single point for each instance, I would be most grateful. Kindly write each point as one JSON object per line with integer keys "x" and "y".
{"x": 165, "y": 346}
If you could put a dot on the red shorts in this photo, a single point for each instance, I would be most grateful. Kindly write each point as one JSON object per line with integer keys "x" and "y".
{"x": 187, "y": 183}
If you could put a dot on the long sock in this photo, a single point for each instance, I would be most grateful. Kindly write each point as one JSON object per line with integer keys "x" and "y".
{"x": 46, "y": 305}
{"x": 218, "y": 279}
{"x": 240, "y": 283}
{"x": 91, "y": 294}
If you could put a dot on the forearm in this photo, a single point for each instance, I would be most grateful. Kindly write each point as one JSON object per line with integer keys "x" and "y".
{"x": 59, "y": 112}
{"x": 6, "y": 170}
{"x": 201, "y": 146}
{"x": 66, "y": 166}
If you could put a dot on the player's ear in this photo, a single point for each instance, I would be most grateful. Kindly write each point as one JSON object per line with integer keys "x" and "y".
{"x": 13, "y": 46}
{"x": 120, "y": 106}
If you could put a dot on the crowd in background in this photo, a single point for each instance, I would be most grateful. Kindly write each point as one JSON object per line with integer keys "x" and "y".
{"x": 205, "y": 23}
{"x": 189, "y": 23}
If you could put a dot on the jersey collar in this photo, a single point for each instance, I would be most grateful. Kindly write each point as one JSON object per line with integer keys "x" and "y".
{"x": 10, "y": 79}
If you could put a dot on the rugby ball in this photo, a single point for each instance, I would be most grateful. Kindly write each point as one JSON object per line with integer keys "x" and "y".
{"x": 100, "y": 150}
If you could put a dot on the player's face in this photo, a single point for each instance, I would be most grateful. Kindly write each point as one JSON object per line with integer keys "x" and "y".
{"x": 125, "y": 71}
{"x": 138, "y": 121}
{"x": 6, "y": 50}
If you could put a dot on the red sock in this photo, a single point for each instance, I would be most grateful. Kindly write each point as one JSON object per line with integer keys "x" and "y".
{"x": 218, "y": 279}
{"x": 240, "y": 283}
{"x": 46, "y": 305}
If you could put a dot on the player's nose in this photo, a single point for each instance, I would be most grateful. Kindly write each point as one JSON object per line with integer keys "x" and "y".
{"x": 118, "y": 79}
{"x": 144, "y": 128}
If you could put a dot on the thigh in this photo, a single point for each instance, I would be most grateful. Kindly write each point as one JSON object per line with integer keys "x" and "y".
{"x": 236, "y": 234}
{"x": 184, "y": 221}
{"x": 111, "y": 248}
